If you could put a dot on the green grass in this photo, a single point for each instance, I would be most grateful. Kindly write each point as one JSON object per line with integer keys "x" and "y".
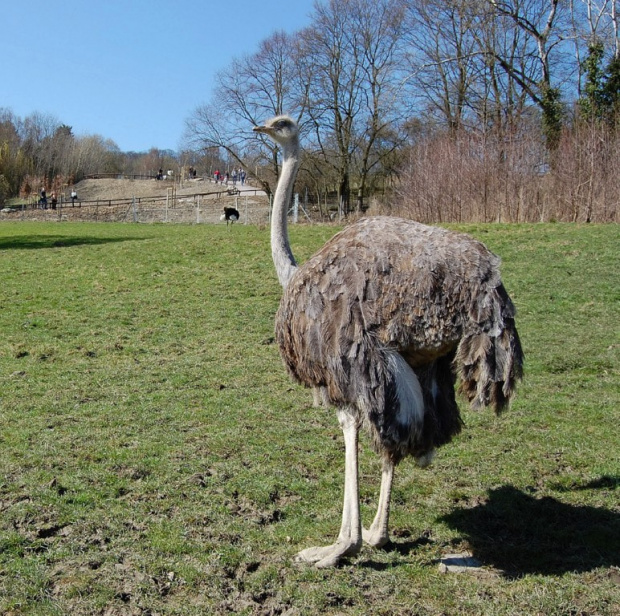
{"x": 156, "y": 459}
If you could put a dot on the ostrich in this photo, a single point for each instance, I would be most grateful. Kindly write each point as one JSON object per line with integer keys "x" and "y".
{"x": 383, "y": 321}
{"x": 230, "y": 215}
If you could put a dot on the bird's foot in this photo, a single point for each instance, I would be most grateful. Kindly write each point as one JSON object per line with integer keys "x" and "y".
{"x": 329, "y": 555}
{"x": 374, "y": 537}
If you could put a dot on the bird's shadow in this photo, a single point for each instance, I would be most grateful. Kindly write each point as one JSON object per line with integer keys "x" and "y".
{"x": 519, "y": 534}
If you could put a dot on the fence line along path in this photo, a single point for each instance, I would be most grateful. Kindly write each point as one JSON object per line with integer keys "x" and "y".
{"x": 183, "y": 209}
{"x": 188, "y": 202}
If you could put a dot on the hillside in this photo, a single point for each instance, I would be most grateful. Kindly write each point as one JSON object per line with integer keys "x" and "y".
{"x": 155, "y": 201}
{"x": 91, "y": 190}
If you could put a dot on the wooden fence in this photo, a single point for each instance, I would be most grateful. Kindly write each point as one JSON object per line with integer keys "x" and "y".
{"x": 172, "y": 199}
{"x": 204, "y": 208}
{"x": 119, "y": 176}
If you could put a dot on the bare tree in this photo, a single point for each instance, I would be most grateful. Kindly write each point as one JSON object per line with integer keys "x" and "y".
{"x": 442, "y": 57}
{"x": 253, "y": 88}
{"x": 37, "y": 130}
{"x": 595, "y": 32}
{"x": 381, "y": 30}
{"x": 40, "y": 150}
{"x": 544, "y": 24}
{"x": 349, "y": 59}
{"x": 13, "y": 165}
{"x": 95, "y": 154}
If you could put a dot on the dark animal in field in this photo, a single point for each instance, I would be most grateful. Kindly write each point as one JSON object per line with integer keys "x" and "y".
{"x": 230, "y": 215}
{"x": 383, "y": 321}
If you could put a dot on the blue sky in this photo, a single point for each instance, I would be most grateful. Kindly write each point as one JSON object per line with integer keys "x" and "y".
{"x": 133, "y": 70}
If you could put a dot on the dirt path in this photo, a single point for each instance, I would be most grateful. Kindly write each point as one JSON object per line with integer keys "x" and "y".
{"x": 104, "y": 189}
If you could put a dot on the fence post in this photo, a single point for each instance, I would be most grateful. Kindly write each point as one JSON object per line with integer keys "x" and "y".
{"x": 135, "y": 212}
{"x": 198, "y": 210}
{"x": 296, "y": 208}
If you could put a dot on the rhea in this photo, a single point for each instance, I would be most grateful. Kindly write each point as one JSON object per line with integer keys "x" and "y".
{"x": 230, "y": 215}
{"x": 383, "y": 321}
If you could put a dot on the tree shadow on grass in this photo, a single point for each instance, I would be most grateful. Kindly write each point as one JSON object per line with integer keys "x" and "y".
{"x": 519, "y": 534}
{"x": 33, "y": 242}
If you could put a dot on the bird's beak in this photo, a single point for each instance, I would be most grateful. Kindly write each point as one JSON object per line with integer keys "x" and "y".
{"x": 261, "y": 129}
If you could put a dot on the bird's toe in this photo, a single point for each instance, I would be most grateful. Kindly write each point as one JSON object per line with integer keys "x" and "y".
{"x": 374, "y": 538}
{"x": 327, "y": 556}
{"x": 313, "y": 555}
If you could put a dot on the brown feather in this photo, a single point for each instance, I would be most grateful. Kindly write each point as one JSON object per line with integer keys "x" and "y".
{"x": 388, "y": 284}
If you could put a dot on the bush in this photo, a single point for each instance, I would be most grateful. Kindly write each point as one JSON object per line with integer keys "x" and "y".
{"x": 471, "y": 177}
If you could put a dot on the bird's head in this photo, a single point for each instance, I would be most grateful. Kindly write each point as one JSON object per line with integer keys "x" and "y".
{"x": 282, "y": 129}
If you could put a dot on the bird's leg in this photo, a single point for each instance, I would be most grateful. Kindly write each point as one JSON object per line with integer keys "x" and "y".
{"x": 349, "y": 540}
{"x": 319, "y": 397}
{"x": 377, "y": 534}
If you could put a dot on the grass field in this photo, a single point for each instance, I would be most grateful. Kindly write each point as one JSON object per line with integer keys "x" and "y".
{"x": 156, "y": 459}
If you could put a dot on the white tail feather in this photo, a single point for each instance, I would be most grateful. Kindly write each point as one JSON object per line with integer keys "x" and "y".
{"x": 409, "y": 391}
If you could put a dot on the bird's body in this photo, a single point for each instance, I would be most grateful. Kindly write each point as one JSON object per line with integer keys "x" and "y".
{"x": 384, "y": 319}
{"x": 421, "y": 292}
{"x": 230, "y": 215}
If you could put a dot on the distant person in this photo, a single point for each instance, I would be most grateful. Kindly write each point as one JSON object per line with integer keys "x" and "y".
{"x": 160, "y": 174}
{"x": 43, "y": 199}
{"x": 234, "y": 177}
{"x": 73, "y": 197}
{"x": 54, "y": 201}
{"x": 242, "y": 177}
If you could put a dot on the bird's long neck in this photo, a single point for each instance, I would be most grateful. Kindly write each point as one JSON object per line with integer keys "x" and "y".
{"x": 281, "y": 252}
